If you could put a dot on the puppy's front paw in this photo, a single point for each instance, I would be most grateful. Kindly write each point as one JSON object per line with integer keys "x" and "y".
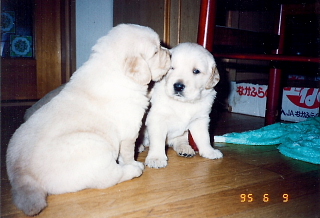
{"x": 184, "y": 150}
{"x": 212, "y": 154}
{"x": 156, "y": 162}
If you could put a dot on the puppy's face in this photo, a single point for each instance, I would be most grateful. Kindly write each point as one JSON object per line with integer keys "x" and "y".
{"x": 137, "y": 49}
{"x": 147, "y": 60}
{"x": 159, "y": 63}
{"x": 193, "y": 73}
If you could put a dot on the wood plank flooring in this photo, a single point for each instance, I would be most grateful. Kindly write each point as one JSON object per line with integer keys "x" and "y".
{"x": 192, "y": 187}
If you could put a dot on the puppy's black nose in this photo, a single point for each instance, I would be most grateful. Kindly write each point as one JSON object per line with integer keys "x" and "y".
{"x": 178, "y": 87}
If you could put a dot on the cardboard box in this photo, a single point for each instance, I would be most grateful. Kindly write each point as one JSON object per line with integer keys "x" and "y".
{"x": 297, "y": 103}
{"x": 247, "y": 98}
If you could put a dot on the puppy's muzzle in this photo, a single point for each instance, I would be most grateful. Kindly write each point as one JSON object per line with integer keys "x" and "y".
{"x": 178, "y": 88}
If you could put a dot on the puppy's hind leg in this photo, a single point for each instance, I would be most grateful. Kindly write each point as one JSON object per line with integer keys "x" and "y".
{"x": 181, "y": 145}
{"x": 108, "y": 173}
{"x": 27, "y": 194}
{"x": 99, "y": 168}
{"x": 118, "y": 173}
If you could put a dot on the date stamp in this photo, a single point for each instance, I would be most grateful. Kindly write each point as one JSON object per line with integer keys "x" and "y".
{"x": 248, "y": 198}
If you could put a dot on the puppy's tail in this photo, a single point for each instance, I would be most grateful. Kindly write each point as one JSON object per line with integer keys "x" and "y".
{"x": 28, "y": 195}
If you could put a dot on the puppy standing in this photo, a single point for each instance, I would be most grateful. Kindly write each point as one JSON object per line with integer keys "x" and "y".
{"x": 180, "y": 102}
{"x": 75, "y": 140}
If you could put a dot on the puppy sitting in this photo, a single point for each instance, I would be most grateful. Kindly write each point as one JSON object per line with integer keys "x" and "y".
{"x": 84, "y": 136}
{"x": 180, "y": 102}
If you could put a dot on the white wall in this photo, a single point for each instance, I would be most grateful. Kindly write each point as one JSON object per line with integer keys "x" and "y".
{"x": 94, "y": 19}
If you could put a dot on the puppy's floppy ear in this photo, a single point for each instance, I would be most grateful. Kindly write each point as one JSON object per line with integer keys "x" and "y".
{"x": 137, "y": 69}
{"x": 214, "y": 78}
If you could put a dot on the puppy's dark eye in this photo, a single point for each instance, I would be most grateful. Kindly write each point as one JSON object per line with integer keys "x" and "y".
{"x": 171, "y": 68}
{"x": 196, "y": 71}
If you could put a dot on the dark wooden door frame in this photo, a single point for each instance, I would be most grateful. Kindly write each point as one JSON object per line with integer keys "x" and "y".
{"x": 55, "y": 43}
{"x": 55, "y": 56}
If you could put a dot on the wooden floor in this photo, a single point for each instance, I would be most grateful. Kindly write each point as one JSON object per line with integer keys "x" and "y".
{"x": 271, "y": 185}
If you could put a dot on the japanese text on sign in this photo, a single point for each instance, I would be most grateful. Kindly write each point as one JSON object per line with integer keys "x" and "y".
{"x": 252, "y": 91}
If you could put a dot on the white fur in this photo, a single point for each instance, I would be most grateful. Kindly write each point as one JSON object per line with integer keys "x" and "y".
{"x": 44, "y": 100}
{"x": 172, "y": 114}
{"x": 84, "y": 137}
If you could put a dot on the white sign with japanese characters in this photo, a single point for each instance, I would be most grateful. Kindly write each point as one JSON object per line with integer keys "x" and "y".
{"x": 247, "y": 98}
{"x": 298, "y": 104}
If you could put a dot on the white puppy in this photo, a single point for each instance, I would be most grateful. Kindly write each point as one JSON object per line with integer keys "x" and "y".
{"x": 180, "y": 102}
{"x": 84, "y": 137}
{"x": 42, "y": 102}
